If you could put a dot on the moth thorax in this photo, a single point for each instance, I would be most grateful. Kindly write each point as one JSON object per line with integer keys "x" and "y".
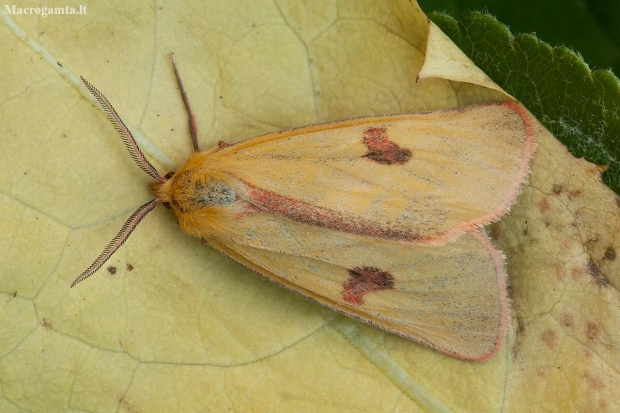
{"x": 190, "y": 191}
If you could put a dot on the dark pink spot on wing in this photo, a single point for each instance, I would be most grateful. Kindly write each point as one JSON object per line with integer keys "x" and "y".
{"x": 365, "y": 280}
{"x": 382, "y": 150}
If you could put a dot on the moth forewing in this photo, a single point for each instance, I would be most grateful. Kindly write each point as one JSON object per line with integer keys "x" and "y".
{"x": 419, "y": 178}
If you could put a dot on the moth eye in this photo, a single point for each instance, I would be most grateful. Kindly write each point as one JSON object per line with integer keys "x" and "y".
{"x": 167, "y": 205}
{"x": 169, "y": 175}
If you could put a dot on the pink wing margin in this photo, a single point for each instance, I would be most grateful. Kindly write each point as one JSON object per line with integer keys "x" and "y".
{"x": 524, "y": 169}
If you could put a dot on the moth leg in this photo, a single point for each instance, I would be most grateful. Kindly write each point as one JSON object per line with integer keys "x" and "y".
{"x": 193, "y": 128}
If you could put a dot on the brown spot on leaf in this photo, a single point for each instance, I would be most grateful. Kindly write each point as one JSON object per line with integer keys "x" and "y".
{"x": 610, "y": 254}
{"x": 541, "y": 372}
{"x": 595, "y": 272}
{"x": 129, "y": 267}
{"x": 382, "y": 150}
{"x": 574, "y": 193}
{"x": 126, "y": 405}
{"x": 577, "y": 273}
{"x": 567, "y": 319}
{"x": 550, "y": 338}
{"x": 494, "y": 232}
{"x": 592, "y": 331}
{"x": 557, "y": 189}
{"x": 594, "y": 382}
{"x": 543, "y": 205}
{"x": 112, "y": 270}
{"x": 592, "y": 243}
{"x": 365, "y": 280}
{"x": 46, "y": 324}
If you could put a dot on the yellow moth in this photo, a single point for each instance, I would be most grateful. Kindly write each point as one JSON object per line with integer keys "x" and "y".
{"x": 378, "y": 218}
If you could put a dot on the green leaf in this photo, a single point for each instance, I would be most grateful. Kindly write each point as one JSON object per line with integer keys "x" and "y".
{"x": 555, "y": 21}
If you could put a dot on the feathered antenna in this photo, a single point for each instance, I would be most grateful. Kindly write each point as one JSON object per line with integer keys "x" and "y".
{"x": 123, "y": 132}
{"x": 143, "y": 163}
{"x": 118, "y": 240}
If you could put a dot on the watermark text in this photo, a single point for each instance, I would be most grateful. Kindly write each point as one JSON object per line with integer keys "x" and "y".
{"x": 45, "y": 11}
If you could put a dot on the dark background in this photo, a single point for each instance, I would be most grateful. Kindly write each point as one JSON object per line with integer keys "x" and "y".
{"x": 589, "y": 27}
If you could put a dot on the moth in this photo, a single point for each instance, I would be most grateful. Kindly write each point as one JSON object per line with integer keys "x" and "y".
{"x": 379, "y": 218}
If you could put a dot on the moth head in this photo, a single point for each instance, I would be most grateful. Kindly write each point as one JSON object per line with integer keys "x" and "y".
{"x": 161, "y": 189}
